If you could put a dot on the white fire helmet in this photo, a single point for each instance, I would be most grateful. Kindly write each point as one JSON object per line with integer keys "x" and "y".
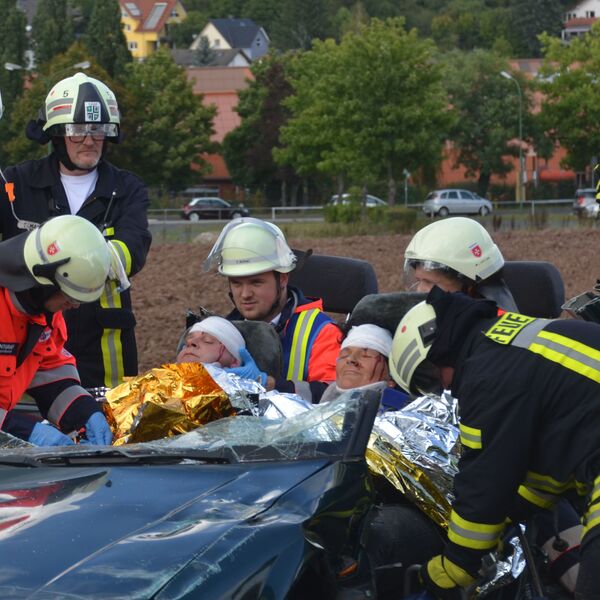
{"x": 457, "y": 244}
{"x": 249, "y": 246}
{"x": 412, "y": 340}
{"x": 71, "y": 253}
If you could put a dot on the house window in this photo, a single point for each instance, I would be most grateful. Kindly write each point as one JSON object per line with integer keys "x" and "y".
{"x": 174, "y": 13}
{"x": 132, "y": 45}
{"x": 217, "y": 43}
{"x": 127, "y": 27}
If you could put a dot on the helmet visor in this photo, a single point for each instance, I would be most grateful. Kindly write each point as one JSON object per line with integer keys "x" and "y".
{"x": 412, "y": 283}
{"x": 78, "y": 131}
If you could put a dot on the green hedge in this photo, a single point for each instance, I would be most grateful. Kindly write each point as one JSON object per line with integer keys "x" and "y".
{"x": 394, "y": 218}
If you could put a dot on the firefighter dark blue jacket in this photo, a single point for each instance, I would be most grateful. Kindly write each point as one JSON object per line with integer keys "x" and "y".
{"x": 529, "y": 398}
{"x": 100, "y": 334}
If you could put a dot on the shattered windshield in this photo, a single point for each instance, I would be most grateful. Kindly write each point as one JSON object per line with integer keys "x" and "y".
{"x": 285, "y": 432}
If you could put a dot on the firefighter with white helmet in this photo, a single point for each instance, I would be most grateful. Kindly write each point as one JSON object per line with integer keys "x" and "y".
{"x": 255, "y": 257}
{"x": 55, "y": 267}
{"x": 80, "y": 115}
{"x": 524, "y": 446}
{"x": 457, "y": 254}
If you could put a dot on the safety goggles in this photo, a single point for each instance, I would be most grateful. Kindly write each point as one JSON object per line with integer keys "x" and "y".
{"x": 77, "y": 132}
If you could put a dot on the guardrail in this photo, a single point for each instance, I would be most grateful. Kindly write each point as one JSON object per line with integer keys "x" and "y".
{"x": 292, "y": 212}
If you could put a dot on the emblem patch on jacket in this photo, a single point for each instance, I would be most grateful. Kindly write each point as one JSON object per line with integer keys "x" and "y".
{"x": 8, "y": 348}
{"x": 45, "y": 335}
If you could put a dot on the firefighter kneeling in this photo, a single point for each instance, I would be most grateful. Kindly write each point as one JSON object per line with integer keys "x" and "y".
{"x": 529, "y": 397}
{"x": 62, "y": 264}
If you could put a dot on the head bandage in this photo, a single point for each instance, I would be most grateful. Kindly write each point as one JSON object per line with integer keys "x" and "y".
{"x": 370, "y": 336}
{"x": 225, "y": 331}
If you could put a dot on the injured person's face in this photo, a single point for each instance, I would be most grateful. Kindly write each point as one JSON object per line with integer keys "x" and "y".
{"x": 356, "y": 367}
{"x": 206, "y": 348}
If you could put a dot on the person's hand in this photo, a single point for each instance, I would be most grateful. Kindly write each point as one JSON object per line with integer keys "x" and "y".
{"x": 97, "y": 430}
{"x": 248, "y": 369}
{"x": 444, "y": 579}
{"x": 44, "y": 434}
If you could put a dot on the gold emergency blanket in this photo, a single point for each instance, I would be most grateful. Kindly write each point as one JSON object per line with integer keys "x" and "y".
{"x": 163, "y": 402}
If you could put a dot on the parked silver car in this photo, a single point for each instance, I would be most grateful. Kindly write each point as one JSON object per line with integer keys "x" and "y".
{"x": 372, "y": 201}
{"x": 456, "y": 202}
{"x": 585, "y": 204}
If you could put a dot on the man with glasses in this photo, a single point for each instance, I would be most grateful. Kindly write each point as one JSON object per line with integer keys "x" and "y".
{"x": 79, "y": 117}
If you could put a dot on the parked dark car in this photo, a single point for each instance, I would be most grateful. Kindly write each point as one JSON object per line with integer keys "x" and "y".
{"x": 241, "y": 508}
{"x": 585, "y": 203}
{"x": 212, "y": 208}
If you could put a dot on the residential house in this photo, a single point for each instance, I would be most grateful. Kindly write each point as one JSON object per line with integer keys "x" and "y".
{"x": 235, "y": 57}
{"x": 146, "y": 22}
{"x": 220, "y": 86}
{"x": 235, "y": 33}
{"x": 579, "y": 19}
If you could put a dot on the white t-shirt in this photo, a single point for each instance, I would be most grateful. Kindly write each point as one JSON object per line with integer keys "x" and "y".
{"x": 78, "y": 188}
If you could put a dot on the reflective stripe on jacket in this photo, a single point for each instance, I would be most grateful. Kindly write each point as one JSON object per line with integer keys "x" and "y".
{"x": 311, "y": 343}
{"x": 46, "y": 365}
{"x": 101, "y": 333}
{"x": 529, "y": 397}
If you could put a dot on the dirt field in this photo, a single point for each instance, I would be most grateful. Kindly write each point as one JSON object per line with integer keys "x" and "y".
{"x": 172, "y": 280}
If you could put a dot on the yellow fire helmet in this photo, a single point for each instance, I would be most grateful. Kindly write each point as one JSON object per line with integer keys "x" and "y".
{"x": 249, "y": 246}
{"x": 458, "y": 243}
{"x": 69, "y": 252}
{"x": 412, "y": 340}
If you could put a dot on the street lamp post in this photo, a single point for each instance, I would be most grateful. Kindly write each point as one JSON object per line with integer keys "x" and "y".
{"x": 520, "y": 189}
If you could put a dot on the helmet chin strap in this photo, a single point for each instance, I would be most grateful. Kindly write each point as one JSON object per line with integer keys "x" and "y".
{"x": 60, "y": 149}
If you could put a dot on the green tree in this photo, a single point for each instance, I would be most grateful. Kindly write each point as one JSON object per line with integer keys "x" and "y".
{"x": 181, "y": 35}
{"x": 248, "y": 148}
{"x": 105, "y": 39}
{"x": 529, "y": 19}
{"x": 262, "y": 12}
{"x": 368, "y": 107}
{"x": 52, "y": 29}
{"x": 299, "y": 23}
{"x": 487, "y": 108}
{"x": 14, "y": 44}
{"x": 570, "y": 83}
{"x": 204, "y": 54}
{"x": 171, "y": 126}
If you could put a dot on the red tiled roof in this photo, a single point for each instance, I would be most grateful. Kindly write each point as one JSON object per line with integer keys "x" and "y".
{"x": 145, "y": 8}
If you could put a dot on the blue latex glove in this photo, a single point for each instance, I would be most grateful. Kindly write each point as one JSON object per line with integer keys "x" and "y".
{"x": 97, "y": 430}
{"x": 248, "y": 368}
{"x": 44, "y": 434}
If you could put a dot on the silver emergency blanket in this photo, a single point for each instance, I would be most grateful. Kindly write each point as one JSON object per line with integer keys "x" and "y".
{"x": 416, "y": 450}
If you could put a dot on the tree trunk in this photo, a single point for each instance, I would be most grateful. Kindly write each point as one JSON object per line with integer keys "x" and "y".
{"x": 392, "y": 186}
{"x": 305, "y": 192}
{"x": 283, "y": 200}
{"x": 483, "y": 184}
{"x": 340, "y": 186}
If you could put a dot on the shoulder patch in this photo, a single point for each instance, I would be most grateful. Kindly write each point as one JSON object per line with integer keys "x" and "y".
{"x": 504, "y": 330}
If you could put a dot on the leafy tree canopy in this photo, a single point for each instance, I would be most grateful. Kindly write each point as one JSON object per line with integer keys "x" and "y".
{"x": 171, "y": 127}
{"x": 367, "y": 107}
{"x": 570, "y": 84}
{"x": 105, "y": 39}
{"x": 486, "y": 106}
